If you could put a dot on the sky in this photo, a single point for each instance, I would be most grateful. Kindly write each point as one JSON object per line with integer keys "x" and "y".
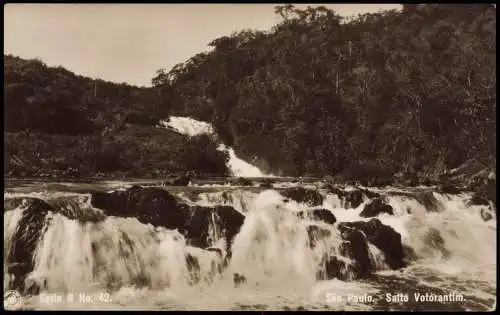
{"x": 130, "y": 42}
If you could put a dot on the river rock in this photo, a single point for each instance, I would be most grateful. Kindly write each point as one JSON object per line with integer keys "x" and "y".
{"x": 25, "y": 240}
{"x": 303, "y": 195}
{"x": 196, "y": 228}
{"x": 478, "y": 200}
{"x": 376, "y": 207}
{"x": 159, "y": 208}
{"x": 356, "y": 248}
{"x": 353, "y": 198}
{"x": 148, "y": 204}
{"x": 318, "y": 215}
{"x": 384, "y": 238}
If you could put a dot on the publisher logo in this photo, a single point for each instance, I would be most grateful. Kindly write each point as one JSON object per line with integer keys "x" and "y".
{"x": 12, "y": 299}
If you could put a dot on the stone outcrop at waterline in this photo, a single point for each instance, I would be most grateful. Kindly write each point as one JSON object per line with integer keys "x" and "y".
{"x": 25, "y": 239}
{"x": 376, "y": 207}
{"x": 159, "y": 208}
{"x": 318, "y": 215}
{"x": 304, "y": 195}
{"x": 149, "y": 205}
{"x": 356, "y": 236}
{"x": 383, "y": 237}
{"x": 352, "y": 198}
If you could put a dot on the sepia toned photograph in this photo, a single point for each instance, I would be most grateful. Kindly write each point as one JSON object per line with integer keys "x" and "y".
{"x": 250, "y": 157}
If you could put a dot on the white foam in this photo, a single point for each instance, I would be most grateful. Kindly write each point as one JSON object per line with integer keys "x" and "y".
{"x": 187, "y": 126}
{"x": 239, "y": 167}
{"x": 191, "y": 127}
{"x": 271, "y": 250}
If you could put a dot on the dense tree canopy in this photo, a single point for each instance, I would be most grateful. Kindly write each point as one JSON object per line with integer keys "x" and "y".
{"x": 61, "y": 124}
{"x": 411, "y": 91}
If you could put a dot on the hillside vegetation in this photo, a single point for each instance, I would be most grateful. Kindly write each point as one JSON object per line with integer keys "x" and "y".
{"x": 407, "y": 93}
{"x": 396, "y": 94}
{"x": 60, "y": 124}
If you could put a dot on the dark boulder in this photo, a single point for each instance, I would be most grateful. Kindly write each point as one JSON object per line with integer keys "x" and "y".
{"x": 384, "y": 238}
{"x": 242, "y": 181}
{"x": 356, "y": 236}
{"x": 181, "y": 181}
{"x": 303, "y": 195}
{"x": 200, "y": 219}
{"x": 149, "y": 205}
{"x": 159, "y": 208}
{"x": 230, "y": 221}
{"x": 356, "y": 248}
{"x": 376, "y": 207}
{"x": 24, "y": 241}
{"x": 318, "y": 215}
{"x": 32, "y": 223}
{"x": 353, "y": 198}
{"x": 478, "y": 200}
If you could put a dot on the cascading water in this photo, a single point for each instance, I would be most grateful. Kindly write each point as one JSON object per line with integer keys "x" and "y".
{"x": 298, "y": 246}
{"x": 191, "y": 127}
{"x": 280, "y": 258}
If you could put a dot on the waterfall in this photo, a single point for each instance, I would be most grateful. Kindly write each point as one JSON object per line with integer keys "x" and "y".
{"x": 190, "y": 127}
{"x": 274, "y": 261}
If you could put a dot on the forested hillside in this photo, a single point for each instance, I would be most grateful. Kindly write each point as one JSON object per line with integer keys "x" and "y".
{"x": 407, "y": 93}
{"x": 60, "y": 124}
{"x": 395, "y": 94}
